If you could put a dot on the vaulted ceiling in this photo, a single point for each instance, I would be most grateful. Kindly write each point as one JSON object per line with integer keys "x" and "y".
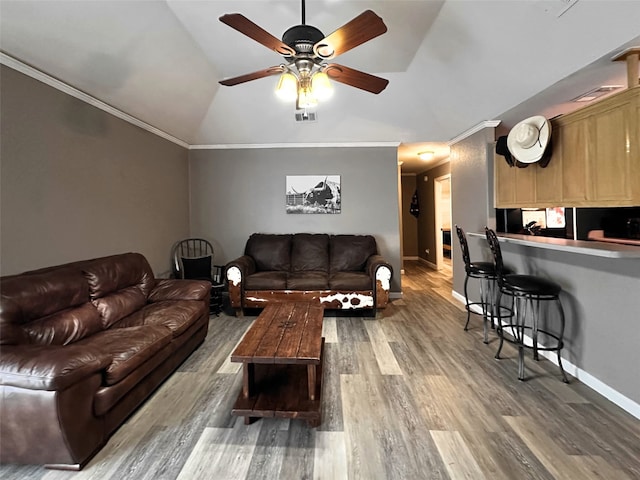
{"x": 451, "y": 64}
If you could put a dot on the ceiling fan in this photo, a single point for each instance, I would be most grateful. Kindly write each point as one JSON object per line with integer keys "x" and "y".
{"x": 305, "y": 48}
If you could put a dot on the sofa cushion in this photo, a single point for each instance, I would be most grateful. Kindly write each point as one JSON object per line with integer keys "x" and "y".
{"x": 177, "y": 316}
{"x": 65, "y": 327}
{"x": 349, "y": 253}
{"x": 118, "y": 305}
{"x": 350, "y": 281}
{"x": 30, "y": 296}
{"x": 49, "y": 367}
{"x": 266, "y": 281}
{"x": 270, "y": 252}
{"x": 308, "y": 281}
{"x": 129, "y": 348}
{"x": 173, "y": 289}
{"x": 109, "y": 274}
{"x": 197, "y": 268}
{"x": 309, "y": 252}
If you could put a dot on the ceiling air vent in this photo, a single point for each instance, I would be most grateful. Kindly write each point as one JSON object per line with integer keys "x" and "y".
{"x": 306, "y": 116}
{"x": 556, "y": 7}
{"x": 596, "y": 93}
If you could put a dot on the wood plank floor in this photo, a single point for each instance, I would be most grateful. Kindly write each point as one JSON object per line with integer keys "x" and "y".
{"x": 408, "y": 395}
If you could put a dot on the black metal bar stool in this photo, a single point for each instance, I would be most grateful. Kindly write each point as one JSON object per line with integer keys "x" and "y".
{"x": 486, "y": 273}
{"x": 527, "y": 293}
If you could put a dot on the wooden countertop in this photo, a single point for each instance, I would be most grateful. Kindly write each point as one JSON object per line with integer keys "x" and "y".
{"x": 583, "y": 247}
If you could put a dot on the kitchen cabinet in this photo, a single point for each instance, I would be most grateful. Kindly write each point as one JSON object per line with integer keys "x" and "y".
{"x": 595, "y": 160}
{"x": 514, "y": 186}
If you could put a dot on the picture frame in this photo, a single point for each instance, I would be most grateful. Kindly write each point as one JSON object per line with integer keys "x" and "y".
{"x": 313, "y": 194}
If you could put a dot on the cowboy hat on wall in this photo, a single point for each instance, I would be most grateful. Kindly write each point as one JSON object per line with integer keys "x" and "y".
{"x": 529, "y": 139}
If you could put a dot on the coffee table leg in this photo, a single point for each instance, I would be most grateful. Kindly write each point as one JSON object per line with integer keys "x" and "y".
{"x": 311, "y": 373}
{"x": 247, "y": 379}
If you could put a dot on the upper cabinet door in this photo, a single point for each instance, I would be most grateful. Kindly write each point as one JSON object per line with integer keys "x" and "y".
{"x": 610, "y": 165}
{"x": 575, "y": 139}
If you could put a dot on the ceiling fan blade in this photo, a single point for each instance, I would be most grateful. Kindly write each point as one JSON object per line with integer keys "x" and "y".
{"x": 356, "y": 78}
{"x": 247, "y": 27}
{"x": 229, "y": 82}
{"x": 361, "y": 29}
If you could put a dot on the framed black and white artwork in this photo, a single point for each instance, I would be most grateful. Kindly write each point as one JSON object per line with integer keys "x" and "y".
{"x": 313, "y": 194}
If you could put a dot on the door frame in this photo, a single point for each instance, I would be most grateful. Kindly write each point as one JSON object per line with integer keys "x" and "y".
{"x": 437, "y": 201}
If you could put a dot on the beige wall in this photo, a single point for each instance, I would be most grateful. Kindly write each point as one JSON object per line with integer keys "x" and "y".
{"x": 427, "y": 220}
{"x": 79, "y": 183}
{"x": 409, "y": 222}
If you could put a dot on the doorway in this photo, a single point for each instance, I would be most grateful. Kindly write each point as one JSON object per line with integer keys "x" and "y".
{"x": 442, "y": 203}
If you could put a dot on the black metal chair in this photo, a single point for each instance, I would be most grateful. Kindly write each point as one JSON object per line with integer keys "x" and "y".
{"x": 193, "y": 259}
{"x": 527, "y": 293}
{"x": 486, "y": 273}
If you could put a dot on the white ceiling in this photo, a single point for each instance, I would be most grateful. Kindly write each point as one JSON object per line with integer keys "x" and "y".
{"x": 451, "y": 64}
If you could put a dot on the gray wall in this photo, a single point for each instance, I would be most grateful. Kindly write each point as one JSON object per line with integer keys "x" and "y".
{"x": 237, "y": 192}
{"x": 471, "y": 197}
{"x": 427, "y": 220}
{"x": 79, "y": 183}
{"x": 601, "y": 303}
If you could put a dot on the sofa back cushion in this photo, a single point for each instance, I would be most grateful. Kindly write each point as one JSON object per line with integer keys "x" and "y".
{"x": 46, "y": 307}
{"x": 310, "y": 252}
{"x": 119, "y": 285}
{"x": 269, "y": 251}
{"x": 349, "y": 253}
{"x": 110, "y": 274}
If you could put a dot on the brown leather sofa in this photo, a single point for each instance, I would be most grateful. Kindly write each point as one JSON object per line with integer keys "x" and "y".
{"x": 82, "y": 345}
{"x": 338, "y": 271}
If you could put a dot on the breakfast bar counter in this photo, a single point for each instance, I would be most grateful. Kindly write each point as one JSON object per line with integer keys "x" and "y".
{"x": 601, "y": 295}
{"x": 585, "y": 247}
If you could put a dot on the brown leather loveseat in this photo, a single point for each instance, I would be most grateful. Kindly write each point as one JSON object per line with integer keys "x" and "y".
{"x": 81, "y": 346}
{"x": 338, "y": 271}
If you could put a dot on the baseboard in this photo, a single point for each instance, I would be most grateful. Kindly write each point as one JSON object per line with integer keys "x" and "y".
{"x": 395, "y": 294}
{"x": 414, "y": 257}
{"x": 585, "y": 377}
{"x": 433, "y": 266}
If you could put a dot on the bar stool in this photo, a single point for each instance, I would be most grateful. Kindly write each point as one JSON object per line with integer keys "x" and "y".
{"x": 527, "y": 292}
{"x": 486, "y": 273}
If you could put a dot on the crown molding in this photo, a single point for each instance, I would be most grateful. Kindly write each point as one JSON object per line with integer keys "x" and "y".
{"x": 474, "y": 129}
{"x": 32, "y": 72}
{"x": 239, "y": 146}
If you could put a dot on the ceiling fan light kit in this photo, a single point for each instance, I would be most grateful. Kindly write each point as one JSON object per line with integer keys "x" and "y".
{"x": 305, "y": 78}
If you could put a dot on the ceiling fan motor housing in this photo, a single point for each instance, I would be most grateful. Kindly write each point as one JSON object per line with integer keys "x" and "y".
{"x": 302, "y": 38}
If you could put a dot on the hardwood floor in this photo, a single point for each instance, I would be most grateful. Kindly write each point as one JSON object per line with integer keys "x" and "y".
{"x": 408, "y": 395}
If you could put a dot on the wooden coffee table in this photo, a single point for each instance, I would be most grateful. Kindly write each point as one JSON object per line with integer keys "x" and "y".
{"x": 281, "y": 357}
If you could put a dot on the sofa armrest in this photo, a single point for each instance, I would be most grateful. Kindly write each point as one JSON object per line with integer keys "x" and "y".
{"x": 380, "y": 272}
{"x": 373, "y": 265}
{"x": 246, "y": 266}
{"x": 172, "y": 289}
{"x": 236, "y": 271}
{"x": 49, "y": 367}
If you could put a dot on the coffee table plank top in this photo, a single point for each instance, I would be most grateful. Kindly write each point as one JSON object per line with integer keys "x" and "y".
{"x": 284, "y": 333}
